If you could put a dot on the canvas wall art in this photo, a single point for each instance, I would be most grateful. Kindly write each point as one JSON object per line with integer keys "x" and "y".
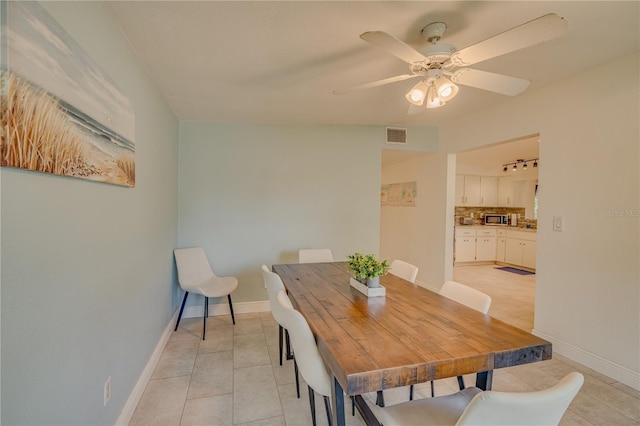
{"x": 61, "y": 113}
{"x": 399, "y": 194}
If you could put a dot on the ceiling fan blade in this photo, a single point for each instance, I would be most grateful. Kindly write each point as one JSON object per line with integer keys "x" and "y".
{"x": 503, "y": 84}
{"x": 546, "y": 27}
{"x": 392, "y": 45}
{"x": 376, "y": 83}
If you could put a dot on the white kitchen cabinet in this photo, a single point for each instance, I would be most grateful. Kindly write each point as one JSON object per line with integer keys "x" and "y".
{"x": 521, "y": 248}
{"x": 467, "y": 190}
{"x": 485, "y": 249}
{"x": 501, "y": 245}
{"x": 529, "y": 254}
{"x": 488, "y": 191}
{"x": 476, "y": 190}
{"x": 505, "y": 195}
{"x": 486, "y": 244}
{"x": 465, "y": 245}
{"x": 475, "y": 244}
{"x": 518, "y": 191}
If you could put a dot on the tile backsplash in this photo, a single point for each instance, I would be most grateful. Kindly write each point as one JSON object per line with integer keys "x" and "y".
{"x": 477, "y": 213}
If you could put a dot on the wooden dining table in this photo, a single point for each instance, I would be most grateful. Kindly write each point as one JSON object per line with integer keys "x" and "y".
{"x": 410, "y": 335}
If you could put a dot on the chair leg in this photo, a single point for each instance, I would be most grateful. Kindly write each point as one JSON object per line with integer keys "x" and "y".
{"x": 295, "y": 367}
{"x": 353, "y": 405}
{"x": 327, "y": 406}
{"x": 231, "y": 309}
{"x": 433, "y": 390}
{"x": 411, "y": 393}
{"x": 280, "y": 338}
{"x": 184, "y": 300}
{"x": 461, "y": 382}
{"x": 312, "y": 404}
{"x": 288, "y": 343}
{"x": 380, "y": 399}
{"x": 206, "y": 314}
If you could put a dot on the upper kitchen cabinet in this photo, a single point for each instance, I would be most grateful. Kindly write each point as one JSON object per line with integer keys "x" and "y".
{"x": 486, "y": 177}
{"x": 505, "y": 192}
{"x": 476, "y": 190}
{"x": 488, "y": 191}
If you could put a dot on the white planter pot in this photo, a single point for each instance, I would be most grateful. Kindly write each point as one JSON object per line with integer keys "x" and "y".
{"x": 368, "y": 291}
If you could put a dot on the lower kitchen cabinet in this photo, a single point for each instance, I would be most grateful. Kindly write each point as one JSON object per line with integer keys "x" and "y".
{"x": 475, "y": 245}
{"x": 520, "y": 249}
{"x": 486, "y": 244}
{"x": 501, "y": 245}
{"x": 465, "y": 245}
{"x": 495, "y": 244}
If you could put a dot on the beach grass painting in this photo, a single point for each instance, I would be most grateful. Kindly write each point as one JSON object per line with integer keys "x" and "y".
{"x": 60, "y": 113}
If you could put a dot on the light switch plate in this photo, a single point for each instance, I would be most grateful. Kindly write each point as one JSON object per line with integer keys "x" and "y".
{"x": 557, "y": 223}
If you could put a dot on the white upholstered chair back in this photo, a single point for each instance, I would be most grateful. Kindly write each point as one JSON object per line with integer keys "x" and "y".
{"x": 545, "y": 407}
{"x": 404, "y": 270}
{"x": 466, "y": 295}
{"x": 274, "y": 285}
{"x": 193, "y": 267}
{"x": 306, "y": 352}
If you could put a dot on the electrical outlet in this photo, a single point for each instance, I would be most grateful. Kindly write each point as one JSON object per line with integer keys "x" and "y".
{"x": 107, "y": 391}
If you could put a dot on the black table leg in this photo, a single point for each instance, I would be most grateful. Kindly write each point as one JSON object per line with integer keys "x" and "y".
{"x": 337, "y": 396}
{"x": 484, "y": 380}
{"x": 364, "y": 410}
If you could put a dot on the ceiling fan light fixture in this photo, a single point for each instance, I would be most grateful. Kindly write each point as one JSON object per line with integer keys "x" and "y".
{"x": 433, "y": 100}
{"x": 446, "y": 89}
{"x": 418, "y": 93}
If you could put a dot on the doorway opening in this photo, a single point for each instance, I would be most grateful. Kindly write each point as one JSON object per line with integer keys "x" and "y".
{"x": 499, "y": 180}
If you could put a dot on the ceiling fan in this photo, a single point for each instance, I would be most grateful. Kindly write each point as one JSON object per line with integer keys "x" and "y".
{"x": 440, "y": 66}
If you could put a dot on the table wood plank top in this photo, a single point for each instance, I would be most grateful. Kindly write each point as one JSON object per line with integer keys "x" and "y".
{"x": 411, "y": 335}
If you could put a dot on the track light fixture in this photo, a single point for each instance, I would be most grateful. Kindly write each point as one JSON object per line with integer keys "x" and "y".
{"x": 505, "y": 167}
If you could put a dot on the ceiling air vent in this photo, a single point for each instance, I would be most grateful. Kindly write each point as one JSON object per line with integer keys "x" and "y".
{"x": 396, "y": 135}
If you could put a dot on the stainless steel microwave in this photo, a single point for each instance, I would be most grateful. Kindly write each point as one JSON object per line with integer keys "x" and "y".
{"x": 496, "y": 219}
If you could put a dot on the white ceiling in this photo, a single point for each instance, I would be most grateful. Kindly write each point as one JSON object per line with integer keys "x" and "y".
{"x": 495, "y": 156}
{"x": 279, "y": 62}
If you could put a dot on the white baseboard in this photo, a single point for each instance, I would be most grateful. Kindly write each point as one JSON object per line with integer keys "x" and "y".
{"x": 599, "y": 364}
{"x": 194, "y": 311}
{"x": 189, "y": 312}
{"x": 141, "y": 384}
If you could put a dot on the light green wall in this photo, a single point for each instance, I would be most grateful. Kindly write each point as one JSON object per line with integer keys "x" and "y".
{"x": 254, "y": 194}
{"x": 88, "y": 282}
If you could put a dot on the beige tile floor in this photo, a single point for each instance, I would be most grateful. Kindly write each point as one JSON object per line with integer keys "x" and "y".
{"x": 234, "y": 378}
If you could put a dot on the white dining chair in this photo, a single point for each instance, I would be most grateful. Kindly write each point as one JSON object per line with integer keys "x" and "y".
{"x": 274, "y": 285}
{"x": 315, "y": 255}
{"x": 405, "y": 270}
{"x": 472, "y": 406}
{"x": 307, "y": 356}
{"x": 466, "y": 295}
{"x": 469, "y": 297}
{"x": 195, "y": 276}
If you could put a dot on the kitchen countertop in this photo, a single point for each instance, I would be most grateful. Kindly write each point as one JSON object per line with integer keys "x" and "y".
{"x": 507, "y": 227}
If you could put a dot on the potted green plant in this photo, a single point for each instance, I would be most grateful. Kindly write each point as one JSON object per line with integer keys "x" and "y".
{"x": 367, "y": 268}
